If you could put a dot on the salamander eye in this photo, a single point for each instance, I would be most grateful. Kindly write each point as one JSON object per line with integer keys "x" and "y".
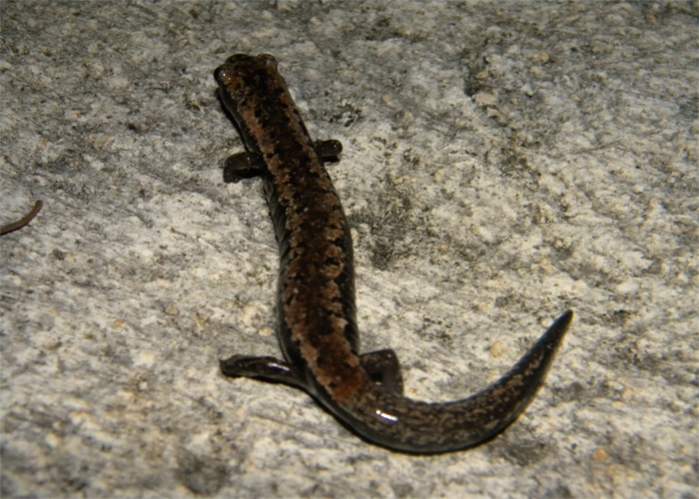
{"x": 223, "y": 75}
{"x": 268, "y": 61}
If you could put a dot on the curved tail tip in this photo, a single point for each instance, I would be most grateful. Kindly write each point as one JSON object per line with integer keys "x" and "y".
{"x": 551, "y": 339}
{"x": 564, "y": 320}
{"x": 561, "y": 324}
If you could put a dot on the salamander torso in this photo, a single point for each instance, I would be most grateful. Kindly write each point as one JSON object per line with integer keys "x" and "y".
{"x": 316, "y": 324}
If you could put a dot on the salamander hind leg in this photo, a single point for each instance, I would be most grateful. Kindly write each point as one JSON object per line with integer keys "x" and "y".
{"x": 383, "y": 367}
{"x": 264, "y": 368}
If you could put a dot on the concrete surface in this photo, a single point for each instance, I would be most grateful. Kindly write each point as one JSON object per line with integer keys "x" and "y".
{"x": 504, "y": 161}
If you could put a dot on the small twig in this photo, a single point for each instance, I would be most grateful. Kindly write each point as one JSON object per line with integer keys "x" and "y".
{"x": 11, "y": 227}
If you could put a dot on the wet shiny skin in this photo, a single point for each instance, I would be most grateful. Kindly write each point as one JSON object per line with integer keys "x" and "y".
{"x": 316, "y": 327}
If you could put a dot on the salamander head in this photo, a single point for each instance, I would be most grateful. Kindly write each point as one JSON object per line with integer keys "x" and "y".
{"x": 242, "y": 72}
{"x": 242, "y": 80}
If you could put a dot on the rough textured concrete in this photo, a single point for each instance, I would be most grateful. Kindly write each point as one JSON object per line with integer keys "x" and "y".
{"x": 503, "y": 161}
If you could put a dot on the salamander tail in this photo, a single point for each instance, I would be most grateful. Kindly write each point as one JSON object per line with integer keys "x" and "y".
{"x": 391, "y": 420}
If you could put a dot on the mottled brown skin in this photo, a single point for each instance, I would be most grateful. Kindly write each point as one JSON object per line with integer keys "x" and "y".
{"x": 316, "y": 326}
{"x": 11, "y": 227}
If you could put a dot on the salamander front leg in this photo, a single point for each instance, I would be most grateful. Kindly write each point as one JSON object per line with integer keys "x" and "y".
{"x": 264, "y": 368}
{"x": 242, "y": 165}
{"x": 328, "y": 150}
{"x": 383, "y": 367}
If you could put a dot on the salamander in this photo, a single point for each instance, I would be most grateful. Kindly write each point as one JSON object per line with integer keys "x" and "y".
{"x": 315, "y": 305}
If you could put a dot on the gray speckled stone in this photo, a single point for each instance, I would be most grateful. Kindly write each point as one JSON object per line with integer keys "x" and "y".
{"x": 503, "y": 161}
